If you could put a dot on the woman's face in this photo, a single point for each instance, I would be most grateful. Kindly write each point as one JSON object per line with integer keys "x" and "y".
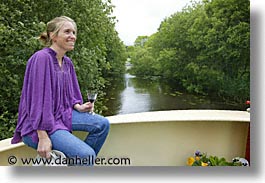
{"x": 65, "y": 40}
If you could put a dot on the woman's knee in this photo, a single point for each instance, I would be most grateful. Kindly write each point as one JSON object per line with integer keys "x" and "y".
{"x": 105, "y": 123}
{"x": 102, "y": 124}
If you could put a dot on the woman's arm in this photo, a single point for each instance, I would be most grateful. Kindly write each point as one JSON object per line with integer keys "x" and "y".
{"x": 39, "y": 101}
{"x": 86, "y": 107}
{"x": 44, "y": 145}
{"x": 38, "y": 91}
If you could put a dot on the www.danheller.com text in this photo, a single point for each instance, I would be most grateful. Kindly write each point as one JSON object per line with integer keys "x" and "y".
{"x": 91, "y": 160}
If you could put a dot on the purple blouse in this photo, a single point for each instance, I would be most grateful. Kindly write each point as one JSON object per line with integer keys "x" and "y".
{"x": 48, "y": 95}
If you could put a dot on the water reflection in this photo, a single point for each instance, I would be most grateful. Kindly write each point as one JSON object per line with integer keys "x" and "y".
{"x": 131, "y": 94}
{"x": 132, "y": 99}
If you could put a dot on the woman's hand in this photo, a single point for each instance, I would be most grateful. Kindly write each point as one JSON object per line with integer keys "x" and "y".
{"x": 86, "y": 107}
{"x": 44, "y": 145}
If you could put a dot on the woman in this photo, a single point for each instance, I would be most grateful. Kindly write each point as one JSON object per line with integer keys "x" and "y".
{"x": 51, "y": 104}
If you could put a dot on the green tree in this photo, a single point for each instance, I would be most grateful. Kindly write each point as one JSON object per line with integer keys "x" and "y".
{"x": 205, "y": 48}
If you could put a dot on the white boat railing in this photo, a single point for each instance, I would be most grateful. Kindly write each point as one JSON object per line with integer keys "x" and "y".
{"x": 162, "y": 138}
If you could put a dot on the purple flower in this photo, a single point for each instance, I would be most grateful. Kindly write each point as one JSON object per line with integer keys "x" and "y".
{"x": 198, "y": 153}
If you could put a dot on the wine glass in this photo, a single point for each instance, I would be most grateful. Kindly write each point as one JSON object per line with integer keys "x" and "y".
{"x": 91, "y": 96}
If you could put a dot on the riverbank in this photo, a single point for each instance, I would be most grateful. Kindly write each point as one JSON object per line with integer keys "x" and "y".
{"x": 131, "y": 94}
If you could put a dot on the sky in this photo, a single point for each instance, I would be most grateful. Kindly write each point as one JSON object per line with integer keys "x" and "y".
{"x": 142, "y": 17}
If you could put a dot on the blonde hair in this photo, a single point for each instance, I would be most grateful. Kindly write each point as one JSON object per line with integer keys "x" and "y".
{"x": 54, "y": 27}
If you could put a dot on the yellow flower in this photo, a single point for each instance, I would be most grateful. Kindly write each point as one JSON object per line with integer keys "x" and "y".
{"x": 204, "y": 164}
{"x": 190, "y": 161}
{"x": 197, "y": 158}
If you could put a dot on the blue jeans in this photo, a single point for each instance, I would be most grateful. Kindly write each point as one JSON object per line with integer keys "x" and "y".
{"x": 70, "y": 145}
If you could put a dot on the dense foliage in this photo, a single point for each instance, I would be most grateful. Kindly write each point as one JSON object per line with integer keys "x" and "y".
{"x": 205, "y": 48}
{"x": 99, "y": 53}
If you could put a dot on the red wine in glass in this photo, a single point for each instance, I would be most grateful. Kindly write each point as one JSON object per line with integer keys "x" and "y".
{"x": 91, "y": 100}
{"x": 91, "y": 96}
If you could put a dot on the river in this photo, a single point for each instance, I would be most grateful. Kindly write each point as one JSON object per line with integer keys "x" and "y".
{"x": 131, "y": 95}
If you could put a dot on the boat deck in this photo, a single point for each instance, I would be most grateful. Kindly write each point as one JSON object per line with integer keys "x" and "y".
{"x": 163, "y": 138}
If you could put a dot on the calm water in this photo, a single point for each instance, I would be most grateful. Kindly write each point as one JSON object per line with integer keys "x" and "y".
{"x": 131, "y": 94}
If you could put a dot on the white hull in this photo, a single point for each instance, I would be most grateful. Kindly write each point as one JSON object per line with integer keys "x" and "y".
{"x": 163, "y": 138}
